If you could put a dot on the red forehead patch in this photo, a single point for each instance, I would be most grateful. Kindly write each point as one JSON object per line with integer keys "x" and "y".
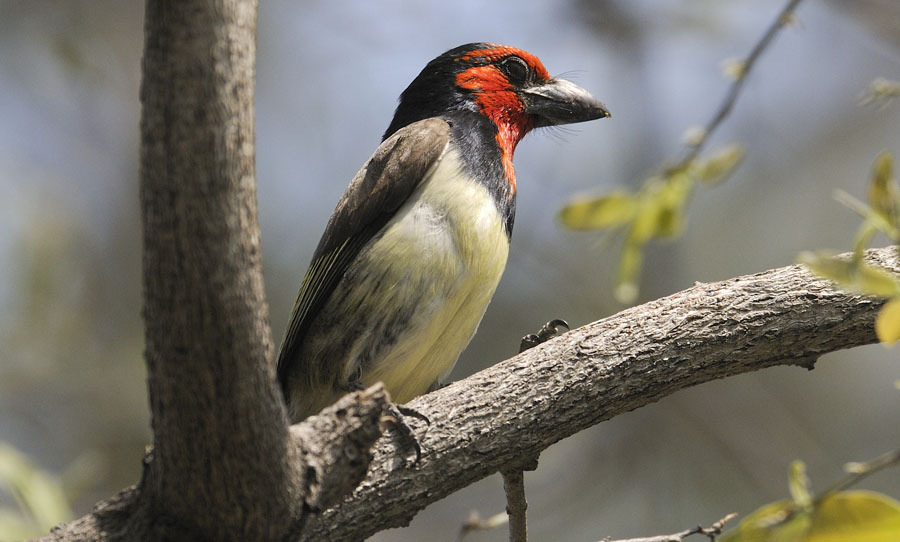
{"x": 499, "y": 52}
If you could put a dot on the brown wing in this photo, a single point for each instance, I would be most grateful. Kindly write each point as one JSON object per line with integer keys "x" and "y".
{"x": 383, "y": 184}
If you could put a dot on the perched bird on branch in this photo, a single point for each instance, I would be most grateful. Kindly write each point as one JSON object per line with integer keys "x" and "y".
{"x": 416, "y": 245}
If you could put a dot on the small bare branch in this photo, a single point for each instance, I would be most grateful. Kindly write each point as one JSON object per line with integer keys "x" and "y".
{"x": 710, "y": 532}
{"x": 739, "y": 71}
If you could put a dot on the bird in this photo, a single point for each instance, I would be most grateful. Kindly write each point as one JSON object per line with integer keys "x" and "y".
{"x": 416, "y": 246}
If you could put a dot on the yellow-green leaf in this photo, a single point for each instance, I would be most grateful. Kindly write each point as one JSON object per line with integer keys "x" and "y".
{"x": 15, "y": 526}
{"x": 660, "y": 211}
{"x": 720, "y": 165}
{"x": 826, "y": 265}
{"x": 852, "y": 275}
{"x": 599, "y": 213}
{"x": 38, "y": 493}
{"x": 672, "y": 200}
{"x": 775, "y": 522}
{"x": 872, "y": 280}
{"x": 863, "y": 235}
{"x": 629, "y": 268}
{"x": 855, "y": 516}
{"x": 887, "y": 325}
{"x": 798, "y": 484}
{"x": 883, "y": 195}
{"x": 872, "y": 217}
{"x": 645, "y": 225}
{"x": 847, "y": 516}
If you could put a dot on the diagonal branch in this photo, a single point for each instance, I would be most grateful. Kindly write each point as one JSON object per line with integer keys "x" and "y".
{"x": 523, "y": 405}
{"x": 724, "y": 109}
{"x": 710, "y": 533}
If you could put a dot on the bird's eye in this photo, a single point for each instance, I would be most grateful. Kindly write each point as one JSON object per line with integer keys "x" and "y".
{"x": 516, "y": 69}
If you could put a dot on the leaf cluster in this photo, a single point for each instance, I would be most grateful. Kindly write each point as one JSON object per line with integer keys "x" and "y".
{"x": 656, "y": 211}
{"x": 880, "y": 213}
{"x": 832, "y": 516}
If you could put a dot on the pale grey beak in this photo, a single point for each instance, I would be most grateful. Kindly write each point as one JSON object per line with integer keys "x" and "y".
{"x": 558, "y": 101}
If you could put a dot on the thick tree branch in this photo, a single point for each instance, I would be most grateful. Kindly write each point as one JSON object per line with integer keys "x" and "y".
{"x": 521, "y": 406}
{"x": 220, "y": 465}
{"x": 331, "y": 453}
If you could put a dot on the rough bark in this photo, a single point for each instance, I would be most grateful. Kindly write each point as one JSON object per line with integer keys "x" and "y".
{"x": 331, "y": 452}
{"x": 521, "y": 406}
{"x": 219, "y": 426}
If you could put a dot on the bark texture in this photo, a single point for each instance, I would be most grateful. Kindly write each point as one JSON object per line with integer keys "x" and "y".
{"x": 331, "y": 453}
{"x": 215, "y": 412}
{"x": 521, "y": 406}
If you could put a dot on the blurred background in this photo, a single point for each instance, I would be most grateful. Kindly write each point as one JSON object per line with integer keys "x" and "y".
{"x": 72, "y": 380}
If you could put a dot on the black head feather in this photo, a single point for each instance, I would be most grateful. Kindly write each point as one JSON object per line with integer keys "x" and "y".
{"x": 434, "y": 92}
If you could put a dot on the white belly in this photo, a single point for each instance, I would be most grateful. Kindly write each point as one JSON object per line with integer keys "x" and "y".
{"x": 448, "y": 247}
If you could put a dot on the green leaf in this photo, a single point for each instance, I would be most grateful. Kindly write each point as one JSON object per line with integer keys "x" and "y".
{"x": 672, "y": 200}
{"x": 660, "y": 211}
{"x": 887, "y": 324}
{"x": 607, "y": 211}
{"x": 720, "y": 165}
{"x": 855, "y": 516}
{"x": 847, "y": 516}
{"x": 773, "y": 522}
{"x": 14, "y": 526}
{"x": 883, "y": 195}
{"x": 851, "y": 275}
{"x": 798, "y": 484}
{"x": 863, "y": 235}
{"x": 630, "y": 261}
{"x": 645, "y": 225}
{"x": 872, "y": 217}
{"x": 38, "y": 493}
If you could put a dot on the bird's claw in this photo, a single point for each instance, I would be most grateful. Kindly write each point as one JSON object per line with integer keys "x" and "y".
{"x": 393, "y": 418}
{"x": 547, "y": 332}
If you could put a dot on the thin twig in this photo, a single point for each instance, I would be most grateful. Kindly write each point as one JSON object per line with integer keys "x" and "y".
{"x": 514, "y": 487}
{"x": 858, "y": 471}
{"x": 725, "y": 108}
{"x": 514, "y": 473}
{"x": 710, "y": 532}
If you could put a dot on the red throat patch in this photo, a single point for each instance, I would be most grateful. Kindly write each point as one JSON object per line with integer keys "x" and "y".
{"x": 498, "y": 101}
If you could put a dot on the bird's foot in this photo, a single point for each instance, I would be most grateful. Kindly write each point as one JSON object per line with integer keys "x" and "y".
{"x": 394, "y": 417}
{"x": 547, "y": 332}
